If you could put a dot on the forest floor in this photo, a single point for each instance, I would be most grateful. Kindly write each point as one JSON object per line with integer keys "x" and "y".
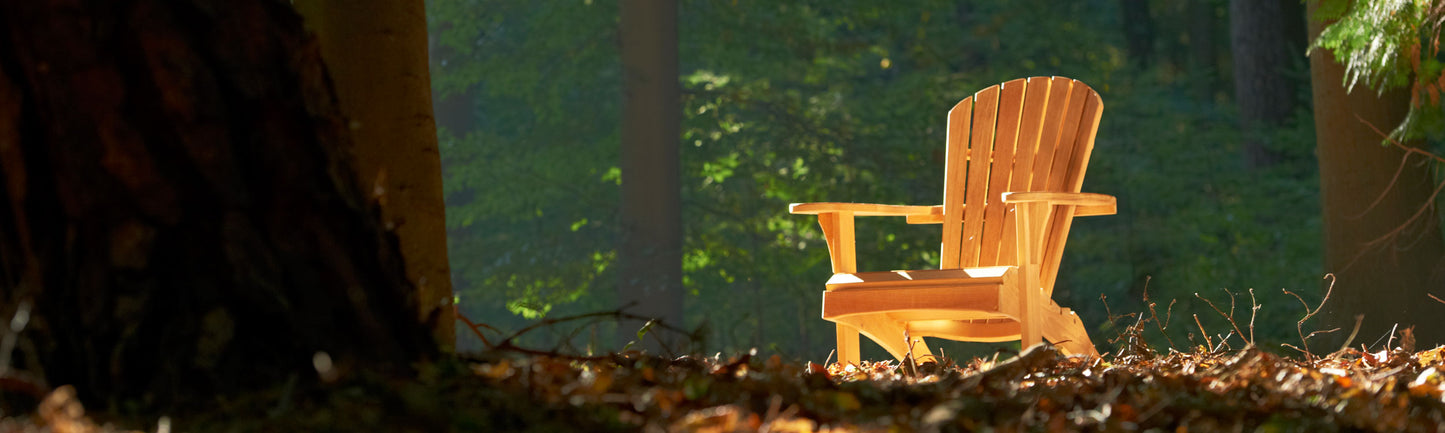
{"x": 1134, "y": 389}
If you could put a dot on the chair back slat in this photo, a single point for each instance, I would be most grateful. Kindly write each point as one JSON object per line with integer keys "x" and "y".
{"x": 1058, "y": 230}
{"x": 980, "y": 152}
{"x": 1010, "y": 108}
{"x": 1036, "y": 101}
{"x": 960, "y": 119}
{"x": 1031, "y": 134}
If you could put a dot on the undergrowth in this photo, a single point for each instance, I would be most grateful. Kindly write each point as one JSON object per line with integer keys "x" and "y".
{"x": 1220, "y": 381}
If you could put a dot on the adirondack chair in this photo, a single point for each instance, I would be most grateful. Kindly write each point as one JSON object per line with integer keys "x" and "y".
{"x": 1016, "y": 157}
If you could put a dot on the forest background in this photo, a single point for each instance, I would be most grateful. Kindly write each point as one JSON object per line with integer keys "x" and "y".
{"x": 845, "y": 100}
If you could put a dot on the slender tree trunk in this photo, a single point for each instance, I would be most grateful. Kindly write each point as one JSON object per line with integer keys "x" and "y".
{"x": 376, "y": 51}
{"x": 1138, "y": 28}
{"x": 1203, "y": 51}
{"x": 1385, "y": 264}
{"x": 650, "y": 250}
{"x": 1263, "y": 92}
{"x": 455, "y": 111}
{"x": 180, "y": 205}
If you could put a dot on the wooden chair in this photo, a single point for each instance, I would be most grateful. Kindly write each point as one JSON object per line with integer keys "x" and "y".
{"x": 1016, "y": 157}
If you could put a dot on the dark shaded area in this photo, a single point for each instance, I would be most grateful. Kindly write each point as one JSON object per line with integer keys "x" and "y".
{"x": 179, "y": 206}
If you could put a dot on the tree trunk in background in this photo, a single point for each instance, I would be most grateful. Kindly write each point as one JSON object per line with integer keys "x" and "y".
{"x": 1296, "y": 33}
{"x": 650, "y": 249}
{"x": 1138, "y": 28}
{"x": 1203, "y": 51}
{"x": 1386, "y": 282}
{"x": 1263, "y": 92}
{"x": 180, "y": 205}
{"x": 376, "y": 52}
{"x": 454, "y": 110}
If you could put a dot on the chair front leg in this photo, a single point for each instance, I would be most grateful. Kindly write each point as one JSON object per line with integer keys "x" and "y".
{"x": 1027, "y": 217}
{"x": 848, "y": 345}
{"x": 838, "y": 232}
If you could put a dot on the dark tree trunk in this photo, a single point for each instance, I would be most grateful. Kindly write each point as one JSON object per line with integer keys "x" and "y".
{"x": 181, "y": 207}
{"x": 1138, "y": 28}
{"x": 650, "y": 250}
{"x": 1263, "y": 91}
{"x": 1202, "y": 29}
{"x": 1385, "y": 277}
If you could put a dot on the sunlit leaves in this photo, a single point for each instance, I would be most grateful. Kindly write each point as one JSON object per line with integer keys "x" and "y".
{"x": 1389, "y": 44}
{"x": 1373, "y": 40}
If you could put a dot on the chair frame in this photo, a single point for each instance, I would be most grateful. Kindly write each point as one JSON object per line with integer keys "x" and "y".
{"x": 1022, "y": 148}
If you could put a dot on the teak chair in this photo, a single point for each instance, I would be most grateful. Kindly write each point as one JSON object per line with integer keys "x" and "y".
{"x": 1016, "y": 157}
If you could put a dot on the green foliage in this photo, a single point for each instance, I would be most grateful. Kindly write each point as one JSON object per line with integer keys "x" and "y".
{"x": 840, "y": 100}
{"x": 1390, "y": 44}
{"x": 1372, "y": 39}
{"x": 1193, "y": 220}
{"x": 530, "y": 204}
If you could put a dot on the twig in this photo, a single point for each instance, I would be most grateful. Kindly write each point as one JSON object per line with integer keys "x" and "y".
{"x": 1389, "y": 338}
{"x": 507, "y": 344}
{"x": 1398, "y": 230}
{"x": 1155, "y": 314}
{"x": 474, "y": 326}
{"x": 1435, "y": 298}
{"x": 1254, "y": 309}
{"x": 1359, "y": 318}
{"x": 912, "y": 367}
{"x": 1224, "y": 341}
{"x": 1107, "y": 312}
{"x": 1299, "y": 326}
{"x": 1229, "y": 317}
{"x": 1207, "y": 341}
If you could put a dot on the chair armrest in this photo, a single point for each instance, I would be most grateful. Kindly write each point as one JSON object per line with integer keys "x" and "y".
{"x": 1087, "y": 203}
{"x": 862, "y": 209}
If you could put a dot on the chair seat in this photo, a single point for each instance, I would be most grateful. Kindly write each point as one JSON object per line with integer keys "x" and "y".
{"x": 961, "y": 304}
{"x": 923, "y": 294}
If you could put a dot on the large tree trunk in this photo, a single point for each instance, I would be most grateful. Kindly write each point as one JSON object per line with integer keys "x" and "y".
{"x": 650, "y": 250}
{"x": 1385, "y": 277}
{"x": 376, "y": 52}
{"x": 1262, "y": 53}
{"x": 180, "y": 205}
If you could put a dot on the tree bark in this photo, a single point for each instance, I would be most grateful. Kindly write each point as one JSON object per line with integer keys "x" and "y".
{"x": 1385, "y": 277}
{"x": 1263, "y": 92}
{"x": 650, "y": 249}
{"x": 376, "y": 52}
{"x": 180, "y": 204}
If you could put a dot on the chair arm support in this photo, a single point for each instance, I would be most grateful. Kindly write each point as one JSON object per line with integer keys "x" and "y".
{"x": 1087, "y": 204}
{"x": 863, "y": 209}
{"x": 836, "y": 220}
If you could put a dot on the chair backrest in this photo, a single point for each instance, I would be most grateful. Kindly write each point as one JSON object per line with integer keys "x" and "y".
{"x": 1031, "y": 134}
